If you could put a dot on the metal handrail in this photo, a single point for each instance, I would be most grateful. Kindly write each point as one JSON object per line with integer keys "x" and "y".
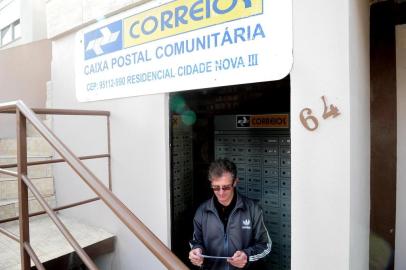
{"x": 67, "y": 206}
{"x": 50, "y": 161}
{"x": 152, "y": 242}
{"x": 33, "y": 256}
{"x": 10, "y": 173}
{"x": 12, "y": 110}
{"x": 68, "y": 236}
{"x": 33, "y": 156}
{"x": 9, "y": 234}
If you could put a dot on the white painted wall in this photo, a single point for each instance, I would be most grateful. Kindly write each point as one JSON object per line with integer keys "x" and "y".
{"x": 330, "y": 166}
{"x": 400, "y": 251}
{"x": 33, "y": 20}
{"x": 320, "y": 159}
{"x": 80, "y": 12}
{"x": 139, "y": 141}
{"x": 359, "y": 134}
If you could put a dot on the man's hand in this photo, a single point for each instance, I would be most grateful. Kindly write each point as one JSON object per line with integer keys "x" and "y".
{"x": 195, "y": 256}
{"x": 239, "y": 259}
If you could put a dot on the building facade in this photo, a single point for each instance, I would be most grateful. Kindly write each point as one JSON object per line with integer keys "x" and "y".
{"x": 330, "y": 156}
{"x": 330, "y": 167}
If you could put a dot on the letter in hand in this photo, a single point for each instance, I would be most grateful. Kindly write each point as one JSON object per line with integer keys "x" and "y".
{"x": 239, "y": 259}
{"x": 195, "y": 256}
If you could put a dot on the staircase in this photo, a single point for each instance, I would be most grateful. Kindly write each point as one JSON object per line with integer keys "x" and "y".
{"x": 32, "y": 251}
{"x": 52, "y": 248}
{"x": 47, "y": 241}
{"x": 38, "y": 149}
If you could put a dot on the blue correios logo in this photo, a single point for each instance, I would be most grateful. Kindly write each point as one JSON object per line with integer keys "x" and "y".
{"x": 104, "y": 40}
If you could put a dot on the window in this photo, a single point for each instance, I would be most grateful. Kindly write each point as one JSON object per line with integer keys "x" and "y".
{"x": 6, "y": 35}
{"x": 16, "y": 30}
{"x": 10, "y": 33}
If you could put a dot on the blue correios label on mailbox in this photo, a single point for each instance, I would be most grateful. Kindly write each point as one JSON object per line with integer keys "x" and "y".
{"x": 104, "y": 40}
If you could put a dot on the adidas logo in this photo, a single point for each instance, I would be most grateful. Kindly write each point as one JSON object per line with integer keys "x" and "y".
{"x": 246, "y": 224}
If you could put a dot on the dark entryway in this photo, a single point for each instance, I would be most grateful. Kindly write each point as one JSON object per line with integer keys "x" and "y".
{"x": 385, "y": 15}
{"x": 193, "y": 147}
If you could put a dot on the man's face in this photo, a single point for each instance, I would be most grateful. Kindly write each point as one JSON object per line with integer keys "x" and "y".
{"x": 223, "y": 188}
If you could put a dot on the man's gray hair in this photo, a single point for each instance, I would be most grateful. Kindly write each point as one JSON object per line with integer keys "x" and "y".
{"x": 220, "y": 166}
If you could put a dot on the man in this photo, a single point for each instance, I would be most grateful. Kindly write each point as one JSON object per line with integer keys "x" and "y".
{"x": 228, "y": 225}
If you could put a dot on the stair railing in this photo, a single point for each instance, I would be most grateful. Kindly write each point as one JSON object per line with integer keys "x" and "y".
{"x": 147, "y": 237}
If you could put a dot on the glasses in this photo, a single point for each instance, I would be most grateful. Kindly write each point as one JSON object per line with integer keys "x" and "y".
{"x": 224, "y": 188}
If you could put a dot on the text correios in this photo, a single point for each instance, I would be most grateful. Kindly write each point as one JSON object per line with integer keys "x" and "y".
{"x": 184, "y": 16}
{"x": 182, "y": 45}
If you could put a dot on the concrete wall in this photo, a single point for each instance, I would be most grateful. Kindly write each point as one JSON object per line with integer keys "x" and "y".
{"x": 360, "y": 134}
{"x": 139, "y": 141}
{"x": 33, "y": 20}
{"x": 400, "y": 259}
{"x": 81, "y": 12}
{"x": 24, "y": 72}
{"x": 330, "y": 166}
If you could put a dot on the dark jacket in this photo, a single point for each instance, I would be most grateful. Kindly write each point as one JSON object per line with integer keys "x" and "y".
{"x": 246, "y": 231}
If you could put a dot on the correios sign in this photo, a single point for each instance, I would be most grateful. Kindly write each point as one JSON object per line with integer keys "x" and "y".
{"x": 166, "y": 46}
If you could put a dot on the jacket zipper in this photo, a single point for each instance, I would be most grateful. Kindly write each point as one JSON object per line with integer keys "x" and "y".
{"x": 226, "y": 233}
{"x": 226, "y": 236}
{"x": 226, "y": 249}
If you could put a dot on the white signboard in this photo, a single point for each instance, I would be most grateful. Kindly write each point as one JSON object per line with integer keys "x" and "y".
{"x": 165, "y": 46}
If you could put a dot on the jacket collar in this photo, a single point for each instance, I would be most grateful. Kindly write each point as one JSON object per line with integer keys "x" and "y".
{"x": 239, "y": 204}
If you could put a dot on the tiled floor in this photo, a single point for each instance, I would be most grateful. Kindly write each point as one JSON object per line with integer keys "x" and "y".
{"x": 46, "y": 240}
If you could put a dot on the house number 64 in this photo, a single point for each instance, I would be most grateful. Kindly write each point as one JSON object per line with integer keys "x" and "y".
{"x": 310, "y": 122}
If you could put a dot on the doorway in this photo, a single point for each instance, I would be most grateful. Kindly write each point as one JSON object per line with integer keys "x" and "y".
{"x": 204, "y": 127}
{"x": 387, "y": 132}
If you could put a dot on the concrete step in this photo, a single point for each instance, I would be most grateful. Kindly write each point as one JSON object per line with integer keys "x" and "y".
{"x": 9, "y": 208}
{"x": 36, "y": 146}
{"x": 32, "y": 132}
{"x": 9, "y": 187}
{"x": 49, "y": 244}
{"x": 37, "y": 171}
{"x": 38, "y": 149}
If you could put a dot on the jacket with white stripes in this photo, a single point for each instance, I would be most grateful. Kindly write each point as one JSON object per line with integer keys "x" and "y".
{"x": 245, "y": 231}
